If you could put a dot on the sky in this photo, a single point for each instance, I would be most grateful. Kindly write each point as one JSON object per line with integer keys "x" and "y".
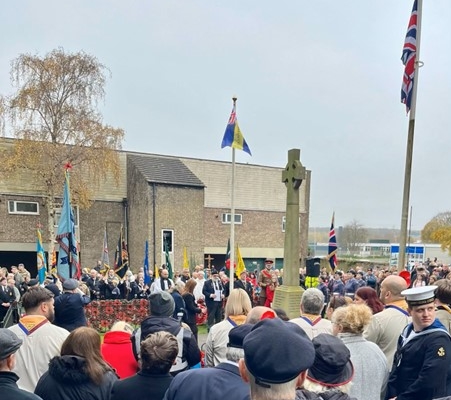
{"x": 321, "y": 76}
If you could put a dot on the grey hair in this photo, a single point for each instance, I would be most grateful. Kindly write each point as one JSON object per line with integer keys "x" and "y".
{"x": 318, "y": 388}
{"x": 275, "y": 392}
{"x": 234, "y": 354}
{"x": 312, "y": 301}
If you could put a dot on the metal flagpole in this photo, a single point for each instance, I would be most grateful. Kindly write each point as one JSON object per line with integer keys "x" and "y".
{"x": 409, "y": 152}
{"x": 232, "y": 217}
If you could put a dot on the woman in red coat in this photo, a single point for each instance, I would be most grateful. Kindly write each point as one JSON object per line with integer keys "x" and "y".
{"x": 117, "y": 350}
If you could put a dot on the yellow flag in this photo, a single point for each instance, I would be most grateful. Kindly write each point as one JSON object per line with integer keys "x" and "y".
{"x": 156, "y": 273}
{"x": 240, "y": 267}
{"x": 185, "y": 258}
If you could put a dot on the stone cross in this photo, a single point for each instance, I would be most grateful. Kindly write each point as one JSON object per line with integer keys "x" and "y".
{"x": 292, "y": 176}
{"x": 209, "y": 260}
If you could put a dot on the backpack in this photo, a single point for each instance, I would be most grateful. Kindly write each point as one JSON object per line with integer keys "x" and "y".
{"x": 183, "y": 338}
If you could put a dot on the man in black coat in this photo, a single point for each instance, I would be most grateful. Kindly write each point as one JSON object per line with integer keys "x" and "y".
{"x": 69, "y": 307}
{"x": 213, "y": 292}
{"x": 162, "y": 307}
{"x": 242, "y": 283}
{"x": 7, "y": 297}
{"x": 158, "y": 353}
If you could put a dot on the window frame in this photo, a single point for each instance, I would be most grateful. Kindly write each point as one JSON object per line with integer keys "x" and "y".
{"x": 16, "y": 212}
{"x": 226, "y": 218}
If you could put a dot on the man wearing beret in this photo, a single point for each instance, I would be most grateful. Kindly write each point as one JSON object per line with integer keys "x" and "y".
{"x": 277, "y": 355}
{"x": 213, "y": 292}
{"x": 9, "y": 344}
{"x": 69, "y": 307}
{"x": 422, "y": 360}
{"x": 220, "y": 382}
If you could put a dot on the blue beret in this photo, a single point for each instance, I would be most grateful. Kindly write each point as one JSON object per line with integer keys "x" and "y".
{"x": 237, "y": 335}
{"x": 276, "y": 351}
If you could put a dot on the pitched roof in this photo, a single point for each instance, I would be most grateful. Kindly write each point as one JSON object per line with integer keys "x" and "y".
{"x": 166, "y": 170}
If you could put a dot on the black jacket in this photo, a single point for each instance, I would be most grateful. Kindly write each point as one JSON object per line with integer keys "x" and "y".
{"x": 191, "y": 308}
{"x": 208, "y": 290}
{"x": 143, "y": 386}
{"x": 155, "y": 323}
{"x": 69, "y": 311}
{"x": 67, "y": 380}
{"x": 333, "y": 394}
{"x": 10, "y": 390}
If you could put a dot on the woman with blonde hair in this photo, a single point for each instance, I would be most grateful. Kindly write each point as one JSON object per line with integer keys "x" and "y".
{"x": 237, "y": 307}
{"x": 370, "y": 363}
{"x": 79, "y": 372}
{"x": 117, "y": 349}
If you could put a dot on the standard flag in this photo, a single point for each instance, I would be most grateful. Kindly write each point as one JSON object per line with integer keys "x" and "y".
{"x": 240, "y": 264}
{"x": 332, "y": 255}
{"x": 67, "y": 266}
{"x": 105, "y": 255}
{"x": 227, "y": 257}
{"x": 168, "y": 261}
{"x": 408, "y": 58}
{"x": 185, "y": 258}
{"x": 233, "y": 136}
{"x": 146, "y": 264}
{"x": 121, "y": 256}
{"x": 41, "y": 261}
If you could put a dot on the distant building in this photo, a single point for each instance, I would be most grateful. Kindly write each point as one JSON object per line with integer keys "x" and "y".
{"x": 184, "y": 202}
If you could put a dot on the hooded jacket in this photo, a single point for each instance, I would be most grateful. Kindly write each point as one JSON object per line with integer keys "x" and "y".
{"x": 118, "y": 352}
{"x": 66, "y": 379}
{"x": 153, "y": 324}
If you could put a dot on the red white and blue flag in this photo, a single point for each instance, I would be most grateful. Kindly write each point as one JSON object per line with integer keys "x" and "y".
{"x": 409, "y": 56}
{"x": 332, "y": 254}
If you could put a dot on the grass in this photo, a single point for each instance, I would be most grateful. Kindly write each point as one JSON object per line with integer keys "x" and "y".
{"x": 202, "y": 329}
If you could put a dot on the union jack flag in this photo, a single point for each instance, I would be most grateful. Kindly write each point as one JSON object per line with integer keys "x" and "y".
{"x": 332, "y": 254}
{"x": 408, "y": 58}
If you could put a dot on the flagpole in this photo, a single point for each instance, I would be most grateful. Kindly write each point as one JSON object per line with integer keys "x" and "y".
{"x": 232, "y": 223}
{"x": 409, "y": 150}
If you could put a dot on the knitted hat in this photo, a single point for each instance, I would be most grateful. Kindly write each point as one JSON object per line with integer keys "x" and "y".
{"x": 161, "y": 304}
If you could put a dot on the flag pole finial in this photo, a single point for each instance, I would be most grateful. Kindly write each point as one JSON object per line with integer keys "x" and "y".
{"x": 234, "y": 98}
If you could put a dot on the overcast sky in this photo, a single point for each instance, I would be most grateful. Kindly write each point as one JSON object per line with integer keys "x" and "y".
{"x": 322, "y": 76}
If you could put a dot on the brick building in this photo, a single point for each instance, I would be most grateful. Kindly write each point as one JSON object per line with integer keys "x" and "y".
{"x": 183, "y": 201}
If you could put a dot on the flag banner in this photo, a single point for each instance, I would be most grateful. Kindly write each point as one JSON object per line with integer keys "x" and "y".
{"x": 105, "y": 259}
{"x": 168, "y": 261}
{"x": 156, "y": 271}
{"x": 41, "y": 261}
{"x": 240, "y": 263}
{"x": 121, "y": 256}
{"x": 146, "y": 263}
{"x": 67, "y": 266}
{"x": 409, "y": 56}
{"x": 185, "y": 258}
{"x": 332, "y": 254}
{"x": 233, "y": 136}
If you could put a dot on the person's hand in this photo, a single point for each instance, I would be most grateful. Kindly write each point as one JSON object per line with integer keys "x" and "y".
{"x": 212, "y": 296}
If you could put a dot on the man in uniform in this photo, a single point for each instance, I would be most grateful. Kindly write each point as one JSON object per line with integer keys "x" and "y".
{"x": 264, "y": 279}
{"x": 422, "y": 361}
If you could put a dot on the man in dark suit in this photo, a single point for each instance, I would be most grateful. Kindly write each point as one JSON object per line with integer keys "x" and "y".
{"x": 69, "y": 307}
{"x": 7, "y": 297}
{"x": 242, "y": 283}
{"x": 93, "y": 284}
{"x": 220, "y": 382}
{"x": 213, "y": 292}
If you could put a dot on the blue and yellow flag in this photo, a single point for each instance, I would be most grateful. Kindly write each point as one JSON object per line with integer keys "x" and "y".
{"x": 233, "y": 136}
{"x": 67, "y": 266}
{"x": 41, "y": 261}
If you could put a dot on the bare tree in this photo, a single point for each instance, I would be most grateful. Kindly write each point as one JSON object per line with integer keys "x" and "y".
{"x": 352, "y": 235}
{"x": 54, "y": 112}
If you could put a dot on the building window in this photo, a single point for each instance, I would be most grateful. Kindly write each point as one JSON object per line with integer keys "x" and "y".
{"x": 23, "y": 207}
{"x": 167, "y": 240}
{"x": 57, "y": 216}
{"x": 227, "y": 218}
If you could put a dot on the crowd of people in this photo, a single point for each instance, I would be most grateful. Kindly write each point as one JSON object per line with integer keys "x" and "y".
{"x": 368, "y": 334}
